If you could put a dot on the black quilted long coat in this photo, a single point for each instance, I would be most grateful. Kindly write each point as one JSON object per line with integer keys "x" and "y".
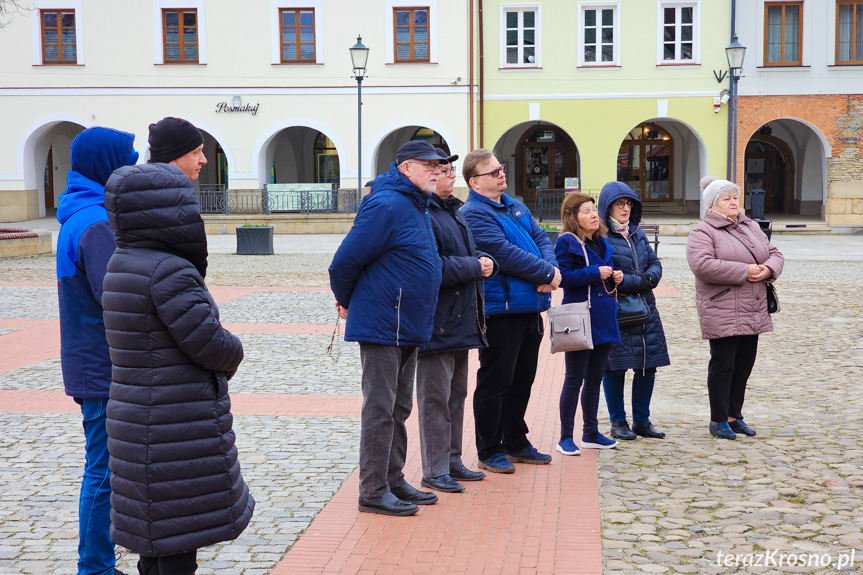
{"x": 176, "y": 479}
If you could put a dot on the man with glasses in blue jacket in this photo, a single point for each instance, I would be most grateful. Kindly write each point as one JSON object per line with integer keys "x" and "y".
{"x": 505, "y": 229}
{"x": 387, "y": 272}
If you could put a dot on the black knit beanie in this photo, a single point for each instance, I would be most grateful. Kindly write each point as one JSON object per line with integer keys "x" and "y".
{"x": 171, "y": 138}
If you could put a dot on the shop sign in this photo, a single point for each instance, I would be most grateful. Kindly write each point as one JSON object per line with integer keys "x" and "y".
{"x": 850, "y": 134}
{"x": 224, "y": 107}
{"x": 571, "y": 184}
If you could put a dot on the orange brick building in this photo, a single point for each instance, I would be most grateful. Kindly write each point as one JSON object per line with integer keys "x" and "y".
{"x": 775, "y": 133}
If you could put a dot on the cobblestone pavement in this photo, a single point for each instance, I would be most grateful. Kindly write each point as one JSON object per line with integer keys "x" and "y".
{"x": 797, "y": 487}
{"x": 667, "y": 506}
{"x": 294, "y": 465}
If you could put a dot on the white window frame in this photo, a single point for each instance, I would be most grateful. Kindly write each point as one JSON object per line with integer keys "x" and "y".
{"x": 36, "y": 22}
{"x": 390, "y": 30}
{"x": 537, "y": 34}
{"x": 275, "y": 28}
{"x": 696, "y": 32}
{"x": 599, "y": 6}
{"x": 158, "y": 35}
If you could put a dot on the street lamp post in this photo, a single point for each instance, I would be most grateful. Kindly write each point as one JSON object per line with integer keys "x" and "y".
{"x": 735, "y": 53}
{"x": 359, "y": 57}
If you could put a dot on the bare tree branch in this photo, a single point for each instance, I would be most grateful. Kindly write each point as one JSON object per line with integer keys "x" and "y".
{"x": 9, "y": 8}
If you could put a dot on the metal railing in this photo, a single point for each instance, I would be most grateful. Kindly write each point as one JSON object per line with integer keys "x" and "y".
{"x": 547, "y": 204}
{"x": 312, "y": 201}
{"x": 228, "y": 202}
{"x": 212, "y": 201}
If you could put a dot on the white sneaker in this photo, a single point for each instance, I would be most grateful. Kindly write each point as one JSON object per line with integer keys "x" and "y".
{"x": 598, "y": 441}
{"x": 567, "y": 447}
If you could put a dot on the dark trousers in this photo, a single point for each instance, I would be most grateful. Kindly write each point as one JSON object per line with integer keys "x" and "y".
{"x": 441, "y": 392}
{"x": 585, "y": 366}
{"x": 507, "y": 368}
{"x": 731, "y": 361}
{"x": 182, "y": 564}
{"x": 642, "y": 391}
{"x": 388, "y": 388}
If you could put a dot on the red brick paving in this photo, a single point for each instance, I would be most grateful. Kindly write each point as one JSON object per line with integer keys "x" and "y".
{"x": 37, "y": 340}
{"x": 541, "y": 519}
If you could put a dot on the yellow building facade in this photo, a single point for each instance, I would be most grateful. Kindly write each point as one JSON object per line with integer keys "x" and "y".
{"x": 604, "y": 91}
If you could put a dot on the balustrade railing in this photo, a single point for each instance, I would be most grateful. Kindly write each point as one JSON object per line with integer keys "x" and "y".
{"x": 228, "y": 202}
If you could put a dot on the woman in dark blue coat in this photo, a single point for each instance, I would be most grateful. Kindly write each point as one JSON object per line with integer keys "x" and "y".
{"x": 642, "y": 348}
{"x": 582, "y": 277}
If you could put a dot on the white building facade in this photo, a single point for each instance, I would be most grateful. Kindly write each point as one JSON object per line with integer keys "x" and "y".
{"x": 268, "y": 83}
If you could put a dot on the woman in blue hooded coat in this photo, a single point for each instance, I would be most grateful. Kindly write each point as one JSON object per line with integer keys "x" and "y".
{"x": 642, "y": 348}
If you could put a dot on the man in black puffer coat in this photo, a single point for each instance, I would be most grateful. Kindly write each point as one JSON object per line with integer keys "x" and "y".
{"x": 175, "y": 476}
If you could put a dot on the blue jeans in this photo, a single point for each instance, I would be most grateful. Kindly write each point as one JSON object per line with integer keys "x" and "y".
{"x": 95, "y": 548}
{"x": 585, "y": 366}
{"x": 642, "y": 391}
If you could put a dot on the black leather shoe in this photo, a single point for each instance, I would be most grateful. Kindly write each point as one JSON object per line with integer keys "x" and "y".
{"x": 647, "y": 430}
{"x": 620, "y": 430}
{"x": 462, "y": 473}
{"x": 408, "y": 493}
{"x": 443, "y": 483}
{"x": 739, "y": 426}
{"x": 721, "y": 430}
{"x": 387, "y": 504}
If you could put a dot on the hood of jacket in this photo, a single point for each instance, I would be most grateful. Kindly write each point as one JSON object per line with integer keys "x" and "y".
{"x": 452, "y": 202}
{"x": 153, "y": 206}
{"x": 94, "y": 154}
{"x": 613, "y": 191}
{"x": 393, "y": 179}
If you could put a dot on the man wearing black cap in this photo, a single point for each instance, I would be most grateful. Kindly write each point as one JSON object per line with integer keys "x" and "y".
{"x": 459, "y": 326}
{"x": 177, "y": 142}
{"x": 387, "y": 271}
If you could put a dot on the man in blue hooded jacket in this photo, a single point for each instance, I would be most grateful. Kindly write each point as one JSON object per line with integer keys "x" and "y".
{"x": 387, "y": 271}
{"x": 84, "y": 246}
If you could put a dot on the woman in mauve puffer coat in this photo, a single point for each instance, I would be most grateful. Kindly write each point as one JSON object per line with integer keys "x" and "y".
{"x": 642, "y": 348}
{"x": 175, "y": 477}
{"x": 732, "y": 261}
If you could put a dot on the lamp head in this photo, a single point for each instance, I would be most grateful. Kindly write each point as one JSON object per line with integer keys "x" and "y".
{"x": 359, "y": 57}
{"x": 735, "y": 52}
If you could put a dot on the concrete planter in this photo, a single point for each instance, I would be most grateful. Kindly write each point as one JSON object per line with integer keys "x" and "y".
{"x": 254, "y": 241}
{"x": 552, "y": 235}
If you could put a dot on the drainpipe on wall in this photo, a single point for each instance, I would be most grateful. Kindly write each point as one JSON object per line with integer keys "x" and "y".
{"x": 731, "y": 111}
{"x": 470, "y": 102}
{"x": 481, "y": 68}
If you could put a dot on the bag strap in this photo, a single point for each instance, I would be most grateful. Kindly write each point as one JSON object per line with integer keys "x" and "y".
{"x": 748, "y": 250}
{"x": 742, "y": 243}
{"x": 586, "y": 261}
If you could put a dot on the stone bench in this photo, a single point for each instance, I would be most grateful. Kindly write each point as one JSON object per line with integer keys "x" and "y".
{"x": 16, "y": 242}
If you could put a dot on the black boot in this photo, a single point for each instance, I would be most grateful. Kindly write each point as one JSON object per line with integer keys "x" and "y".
{"x": 620, "y": 430}
{"x": 647, "y": 430}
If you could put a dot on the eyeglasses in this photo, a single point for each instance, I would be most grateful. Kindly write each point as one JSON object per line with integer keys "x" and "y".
{"x": 494, "y": 173}
{"x": 623, "y": 203}
{"x": 448, "y": 171}
{"x": 429, "y": 166}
